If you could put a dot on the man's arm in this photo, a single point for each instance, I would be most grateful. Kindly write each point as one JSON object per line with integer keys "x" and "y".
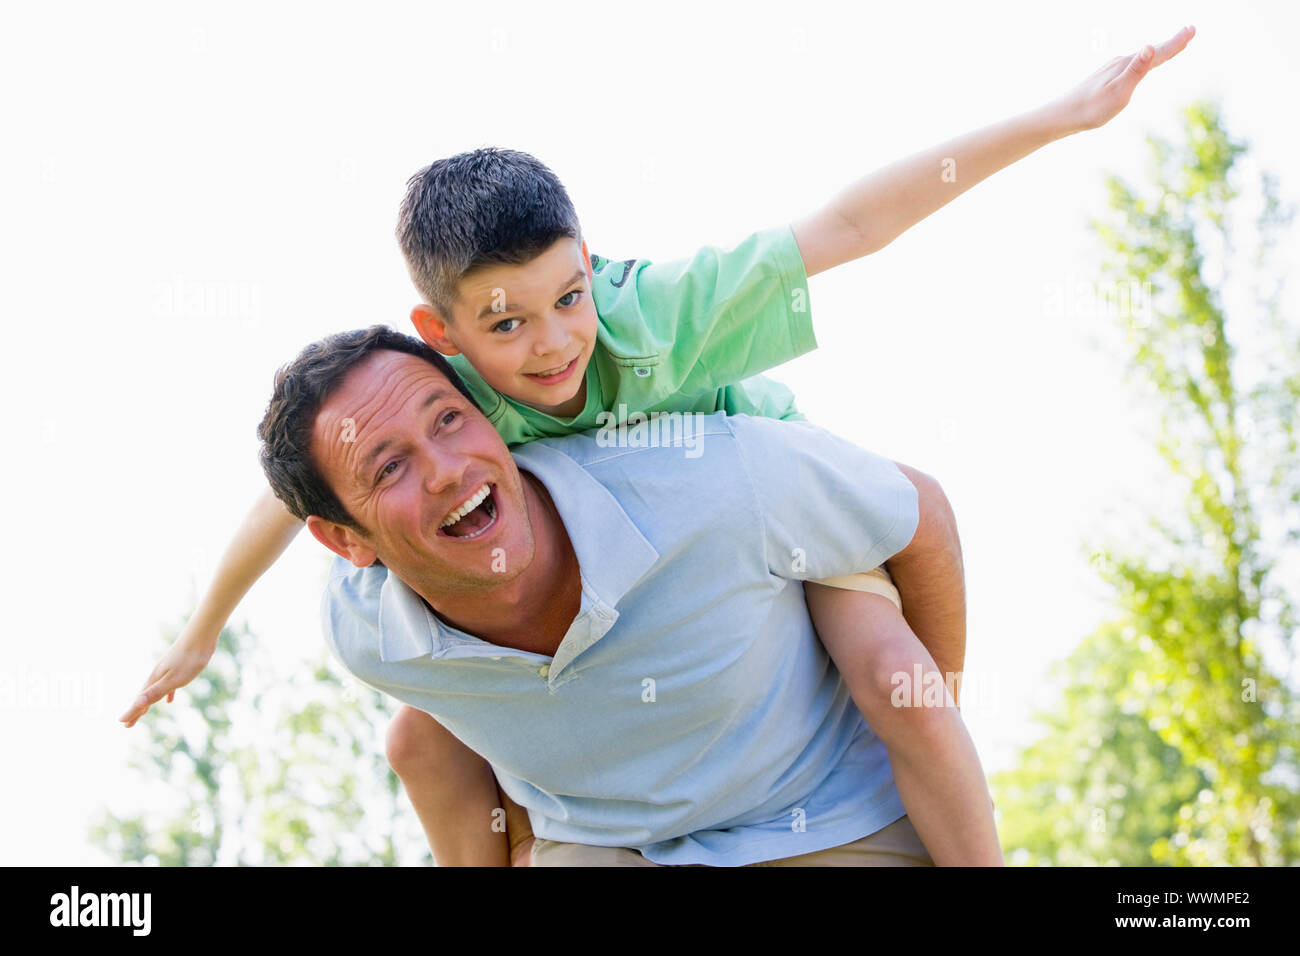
{"x": 875, "y": 211}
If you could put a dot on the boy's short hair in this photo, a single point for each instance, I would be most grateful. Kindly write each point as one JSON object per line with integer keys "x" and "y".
{"x": 484, "y": 207}
{"x": 301, "y": 388}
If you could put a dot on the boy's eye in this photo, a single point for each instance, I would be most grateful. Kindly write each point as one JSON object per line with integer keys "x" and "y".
{"x": 573, "y": 298}
{"x": 501, "y": 326}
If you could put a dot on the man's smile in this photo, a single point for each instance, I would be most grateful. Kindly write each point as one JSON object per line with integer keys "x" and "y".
{"x": 474, "y": 517}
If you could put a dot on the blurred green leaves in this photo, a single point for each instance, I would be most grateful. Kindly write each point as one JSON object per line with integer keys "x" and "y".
{"x": 1177, "y": 740}
{"x": 248, "y": 769}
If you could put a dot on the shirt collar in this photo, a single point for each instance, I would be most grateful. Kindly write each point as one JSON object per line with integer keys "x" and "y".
{"x": 613, "y": 555}
{"x": 612, "y": 552}
{"x": 406, "y": 628}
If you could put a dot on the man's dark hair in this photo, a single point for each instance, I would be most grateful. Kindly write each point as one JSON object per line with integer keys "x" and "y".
{"x": 301, "y": 388}
{"x": 484, "y": 207}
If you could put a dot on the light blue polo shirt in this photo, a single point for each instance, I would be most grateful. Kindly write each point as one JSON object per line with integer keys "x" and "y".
{"x": 690, "y": 710}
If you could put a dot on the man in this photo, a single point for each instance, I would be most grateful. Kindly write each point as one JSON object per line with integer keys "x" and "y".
{"x": 619, "y": 631}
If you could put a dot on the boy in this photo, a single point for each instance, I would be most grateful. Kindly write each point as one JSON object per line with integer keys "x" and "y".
{"x": 515, "y": 313}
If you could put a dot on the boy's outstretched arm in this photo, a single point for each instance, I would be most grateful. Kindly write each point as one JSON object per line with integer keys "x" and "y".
{"x": 875, "y": 211}
{"x": 259, "y": 542}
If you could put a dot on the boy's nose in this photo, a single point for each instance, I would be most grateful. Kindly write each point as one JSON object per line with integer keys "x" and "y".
{"x": 553, "y": 339}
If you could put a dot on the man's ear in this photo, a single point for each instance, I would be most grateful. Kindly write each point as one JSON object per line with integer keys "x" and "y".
{"x": 342, "y": 540}
{"x": 432, "y": 328}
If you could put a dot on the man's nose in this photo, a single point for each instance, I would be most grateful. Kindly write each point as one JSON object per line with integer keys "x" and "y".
{"x": 443, "y": 470}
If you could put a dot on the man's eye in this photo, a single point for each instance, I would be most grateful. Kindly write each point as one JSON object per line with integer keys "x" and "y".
{"x": 387, "y": 470}
{"x": 576, "y": 296}
{"x": 449, "y": 417}
{"x": 500, "y": 326}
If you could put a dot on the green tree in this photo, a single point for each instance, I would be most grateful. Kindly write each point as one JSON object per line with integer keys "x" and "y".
{"x": 251, "y": 769}
{"x": 1178, "y": 737}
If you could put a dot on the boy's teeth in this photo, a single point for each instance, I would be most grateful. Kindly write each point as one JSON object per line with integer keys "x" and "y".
{"x": 556, "y": 371}
{"x": 466, "y": 508}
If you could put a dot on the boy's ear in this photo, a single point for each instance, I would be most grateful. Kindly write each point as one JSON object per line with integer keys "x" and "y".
{"x": 586, "y": 261}
{"x": 342, "y": 540}
{"x": 433, "y": 328}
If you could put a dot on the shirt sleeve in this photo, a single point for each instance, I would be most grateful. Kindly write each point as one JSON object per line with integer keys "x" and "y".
{"x": 350, "y": 618}
{"x": 713, "y": 319}
{"x": 827, "y": 506}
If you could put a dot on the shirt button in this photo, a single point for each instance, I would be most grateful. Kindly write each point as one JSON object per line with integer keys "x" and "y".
{"x": 496, "y": 658}
{"x": 544, "y": 669}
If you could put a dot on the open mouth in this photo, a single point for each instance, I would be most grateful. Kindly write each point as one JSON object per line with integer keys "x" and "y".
{"x": 475, "y": 516}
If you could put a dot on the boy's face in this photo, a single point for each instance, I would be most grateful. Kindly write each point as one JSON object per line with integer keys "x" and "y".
{"x": 528, "y": 329}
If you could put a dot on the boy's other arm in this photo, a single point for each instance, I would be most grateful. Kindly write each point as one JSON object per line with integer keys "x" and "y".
{"x": 876, "y": 210}
{"x": 259, "y": 542}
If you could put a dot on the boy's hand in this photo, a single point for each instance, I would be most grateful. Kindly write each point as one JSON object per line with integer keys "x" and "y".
{"x": 1097, "y": 100}
{"x": 184, "y": 661}
{"x": 876, "y": 210}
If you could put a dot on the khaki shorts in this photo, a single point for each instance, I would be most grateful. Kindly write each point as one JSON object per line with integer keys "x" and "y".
{"x": 876, "y": 581}
{"x": 895, "y": 845}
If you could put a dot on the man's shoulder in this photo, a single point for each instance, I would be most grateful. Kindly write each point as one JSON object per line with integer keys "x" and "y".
{"x": 661, "y": 436}
{"x": 622, "y": 432}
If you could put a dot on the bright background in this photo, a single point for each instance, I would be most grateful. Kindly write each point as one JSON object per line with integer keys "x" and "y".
{"x": 190, "y": 194}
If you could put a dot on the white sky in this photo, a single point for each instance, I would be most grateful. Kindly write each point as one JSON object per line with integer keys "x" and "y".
{"x": 189, "y": 195}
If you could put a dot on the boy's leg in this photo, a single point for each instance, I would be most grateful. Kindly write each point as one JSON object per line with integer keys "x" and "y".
{"x": 931, "y": 579}
{"x": 935, "y": 766}
{"x": 452, "y": 789}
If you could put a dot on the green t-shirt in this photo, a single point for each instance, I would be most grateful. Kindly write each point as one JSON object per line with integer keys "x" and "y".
{"x": 685, "y": 336}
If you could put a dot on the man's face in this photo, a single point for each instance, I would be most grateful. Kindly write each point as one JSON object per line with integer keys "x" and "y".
{"x": 406, "y": 453}
{"x": 528, "y": 329}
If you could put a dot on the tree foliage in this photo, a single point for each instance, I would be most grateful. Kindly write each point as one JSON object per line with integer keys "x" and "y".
{"x": 1178, "y": 737}
{"x": 247, "y": 769}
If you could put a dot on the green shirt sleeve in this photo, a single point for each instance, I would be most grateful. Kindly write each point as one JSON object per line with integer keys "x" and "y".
{"x": 705, "y": 322}
{"x": 687, "y": 336}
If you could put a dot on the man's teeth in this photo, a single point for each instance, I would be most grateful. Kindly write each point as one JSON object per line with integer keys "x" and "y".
{"x": 466, "y": 508}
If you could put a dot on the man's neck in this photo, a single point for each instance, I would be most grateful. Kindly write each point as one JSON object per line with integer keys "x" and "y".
{"x": 533, "y": 611}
